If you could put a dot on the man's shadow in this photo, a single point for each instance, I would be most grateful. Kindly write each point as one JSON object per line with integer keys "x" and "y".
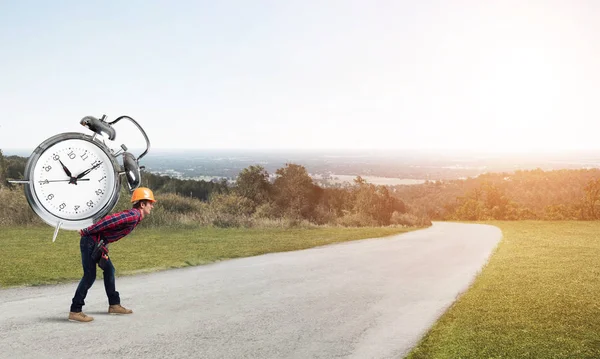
{"x": 65, "y": 318}
{"x": 56, "y": 319}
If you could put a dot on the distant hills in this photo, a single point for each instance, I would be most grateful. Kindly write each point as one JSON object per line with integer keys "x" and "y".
{"x": 413, "y": 166}
{"x": 417, "y": 166}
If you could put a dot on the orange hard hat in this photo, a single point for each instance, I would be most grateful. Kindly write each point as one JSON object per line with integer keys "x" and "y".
{"x": 142, "y": 193}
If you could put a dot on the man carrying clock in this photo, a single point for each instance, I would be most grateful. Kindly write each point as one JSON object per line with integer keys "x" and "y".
{"x": 109, "y": 229}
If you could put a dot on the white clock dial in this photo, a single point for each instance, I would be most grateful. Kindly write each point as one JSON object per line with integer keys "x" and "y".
{"x": 73, "y": 179}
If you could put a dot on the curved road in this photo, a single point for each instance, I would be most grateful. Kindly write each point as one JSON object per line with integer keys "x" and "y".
{"x": 364, "y": 299}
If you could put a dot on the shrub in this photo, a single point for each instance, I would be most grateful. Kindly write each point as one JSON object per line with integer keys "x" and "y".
{"x": 410, "y": 220}
{"x": 357, "y": 220}
{"x": 323, "y": 215}
{"x": 15, "y": 210}
{"x": 223, "y": 210}
{"x": 229, "y": 210}
{"x": 177, "y": 204}
{"x": 283, "y": 223}
{"x": 267, "y": 210}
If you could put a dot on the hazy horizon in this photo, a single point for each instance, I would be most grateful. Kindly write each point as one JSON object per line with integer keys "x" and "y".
{"x": 372, "y": 151}
{"x": 378, "y": 166}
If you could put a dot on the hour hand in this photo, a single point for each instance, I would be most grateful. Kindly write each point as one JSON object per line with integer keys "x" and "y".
{"x": 88, "y": 170}
{"x": 65, "y": 168}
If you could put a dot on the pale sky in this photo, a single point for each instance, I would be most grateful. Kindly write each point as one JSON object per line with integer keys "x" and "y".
{"x": 500, "y": 75}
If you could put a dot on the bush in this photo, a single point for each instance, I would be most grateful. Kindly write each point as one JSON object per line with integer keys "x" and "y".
{"x": 357, "y": 220}
{"x": 409, "y": 220}
{"x": 15, "y": 210}
{"x": 223, "y": 210}
{"x": 266, "y": 210}
{"x": 177, "y": 204}
{"x": 323, "y": 215}
{"x": 160, "y": 217}
{"x": 283, "y": 223}
{"x": 170, "y": 209}
{"x": 229, "y": 210}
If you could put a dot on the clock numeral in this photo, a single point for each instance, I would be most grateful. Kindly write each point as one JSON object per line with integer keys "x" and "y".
{"x": 44, "y": 182}
{"x": 99, "y": 192}
{"x": 90, "y": 203}
{"x": 55, "y": 157}
{"x": 62, "y": 206}
{"x": 101, "y": 179}
{"x": 71, "y": 155}
{"x": 49, "y": 197}
{"x": 48, "y": 168}
{"x": 84, "y": 156}
{"x": 95, "y": 163}
{"x": 76, "y": 208}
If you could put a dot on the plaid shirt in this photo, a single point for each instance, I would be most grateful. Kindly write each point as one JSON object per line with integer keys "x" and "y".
{"x": 114, "y": 226}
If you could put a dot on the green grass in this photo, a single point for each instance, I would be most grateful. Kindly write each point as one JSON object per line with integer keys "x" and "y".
{"x": 28, "y": 256}
{"x": 538, "y": 297}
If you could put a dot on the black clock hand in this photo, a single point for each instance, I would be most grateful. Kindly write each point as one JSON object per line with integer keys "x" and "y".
{"x": 88, "y": 171}
{"x": 83, "y": 179}
{"x": 65, "y": 169}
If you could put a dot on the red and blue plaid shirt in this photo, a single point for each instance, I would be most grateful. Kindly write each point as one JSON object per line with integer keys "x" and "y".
{"x": 114, "y": 226}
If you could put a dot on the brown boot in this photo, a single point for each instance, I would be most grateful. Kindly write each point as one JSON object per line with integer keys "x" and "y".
{"x": 79, "y": 317}
{"x": 118, "y": 309}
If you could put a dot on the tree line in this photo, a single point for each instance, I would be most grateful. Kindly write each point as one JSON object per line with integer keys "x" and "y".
{"x": 523, "y": 194}
{"x": 291, "y": 193}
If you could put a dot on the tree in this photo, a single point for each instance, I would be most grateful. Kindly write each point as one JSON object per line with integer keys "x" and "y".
{"x": 496, "y": 203}
{"x": 359, "y": 181}
{"x": 253, "y": 183}
{"x": 592, "y": 196}
{"x": 295, "y": 192}
{"x": 2, "y": 171}
{"x": 337, "y": 200}
{"x": 470, "y": 210}
{"x": 196, "y": 189}
{"x": 14, "y": 167}
{"x": 374, "y": 202}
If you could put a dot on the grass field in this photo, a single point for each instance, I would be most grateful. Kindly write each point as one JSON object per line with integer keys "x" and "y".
{"x": 28, "y": 256}
{"x": 538, "y": 297}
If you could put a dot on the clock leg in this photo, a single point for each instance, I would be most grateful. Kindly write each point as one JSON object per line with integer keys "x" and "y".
{"x": 56, "y": 231}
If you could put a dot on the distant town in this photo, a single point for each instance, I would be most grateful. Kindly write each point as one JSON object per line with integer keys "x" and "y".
{"x": 377, "y": 167}
{"x": 342, "y": 166}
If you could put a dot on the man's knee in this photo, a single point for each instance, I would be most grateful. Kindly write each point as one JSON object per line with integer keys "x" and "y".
{"x": 89, "y": 281}
{"x": 109, "y": 269}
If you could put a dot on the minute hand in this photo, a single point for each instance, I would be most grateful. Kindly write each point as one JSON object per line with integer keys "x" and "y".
{"x": 88, "y": 171}
{"x": 63, "y": 180}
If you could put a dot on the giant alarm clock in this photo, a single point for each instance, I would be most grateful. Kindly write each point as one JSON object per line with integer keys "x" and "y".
{"x": 74, "y": 179}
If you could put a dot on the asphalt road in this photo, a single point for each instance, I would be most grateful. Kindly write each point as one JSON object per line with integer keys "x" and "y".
{"x": 365, "y": 299}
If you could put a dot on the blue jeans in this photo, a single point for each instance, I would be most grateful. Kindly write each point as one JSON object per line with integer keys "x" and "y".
{"x": 89, "y": 276}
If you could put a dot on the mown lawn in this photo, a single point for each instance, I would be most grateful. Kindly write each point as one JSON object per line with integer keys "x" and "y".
{"x": 28, "y": 256}
{"x": 538, "y": 297}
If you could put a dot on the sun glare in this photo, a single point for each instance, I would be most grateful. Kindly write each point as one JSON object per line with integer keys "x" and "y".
{"x": 524, "y": 84}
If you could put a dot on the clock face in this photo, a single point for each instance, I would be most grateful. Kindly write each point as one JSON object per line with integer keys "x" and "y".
{"x": 73, "y": 180}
